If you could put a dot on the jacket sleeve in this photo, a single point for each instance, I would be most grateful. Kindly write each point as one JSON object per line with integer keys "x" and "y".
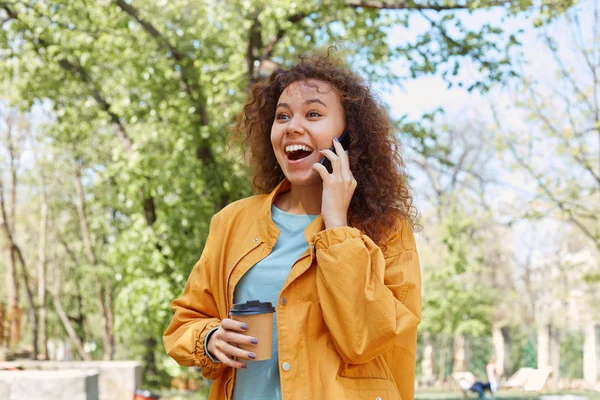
{"x": 196, "y": 314}
{"x": 369, "y": 300}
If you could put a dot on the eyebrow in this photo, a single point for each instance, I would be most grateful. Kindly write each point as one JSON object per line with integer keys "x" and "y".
{"x": 309, "y": 101}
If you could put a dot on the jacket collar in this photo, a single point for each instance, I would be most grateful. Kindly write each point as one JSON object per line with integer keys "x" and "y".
{"x": 267, "y": 228}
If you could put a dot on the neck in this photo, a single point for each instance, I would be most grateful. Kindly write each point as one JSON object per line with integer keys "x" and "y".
{"x": 301, "y": 200}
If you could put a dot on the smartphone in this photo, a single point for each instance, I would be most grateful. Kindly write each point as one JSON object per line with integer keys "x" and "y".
{"x": 345, "y": 141}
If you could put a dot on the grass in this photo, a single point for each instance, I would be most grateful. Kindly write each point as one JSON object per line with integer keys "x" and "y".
{"x": 439, "y": 395}
{"x": 430, "y": 395}
{"x": 202, "y": 394}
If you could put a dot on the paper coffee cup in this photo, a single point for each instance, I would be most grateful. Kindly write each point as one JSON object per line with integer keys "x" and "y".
{"x": 259, "y": 318}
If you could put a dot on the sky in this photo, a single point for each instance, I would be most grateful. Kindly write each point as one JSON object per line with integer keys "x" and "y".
{"x": 421, "y": 95}
{"x": 425, "y": 94}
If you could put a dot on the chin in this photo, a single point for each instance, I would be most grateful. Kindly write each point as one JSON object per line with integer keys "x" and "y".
{"x": 310, "y": 179}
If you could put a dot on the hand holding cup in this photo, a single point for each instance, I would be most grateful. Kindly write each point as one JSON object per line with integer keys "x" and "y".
{"x": 224, "y": 342}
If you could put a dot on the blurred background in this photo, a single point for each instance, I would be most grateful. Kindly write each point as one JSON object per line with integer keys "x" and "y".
{"x": 113, "y": 158}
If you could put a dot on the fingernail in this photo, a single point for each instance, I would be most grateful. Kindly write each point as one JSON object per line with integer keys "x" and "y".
{"x": 252, "y": 355}
{"x": 244, "y": 327}
{"x": 245, "y": 366}
{"x": 254, "y": 341}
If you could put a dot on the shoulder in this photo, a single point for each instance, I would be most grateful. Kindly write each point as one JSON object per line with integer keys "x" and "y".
{"x": 245, "y": 207}
{"x": 252, "y": 203}
{"x": 400, "y": 238}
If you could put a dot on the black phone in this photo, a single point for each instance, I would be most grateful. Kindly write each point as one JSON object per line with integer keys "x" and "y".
{"x": 345, "y": 142}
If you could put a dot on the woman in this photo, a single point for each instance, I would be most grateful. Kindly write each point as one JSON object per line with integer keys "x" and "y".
{"x": 335, "y": 252}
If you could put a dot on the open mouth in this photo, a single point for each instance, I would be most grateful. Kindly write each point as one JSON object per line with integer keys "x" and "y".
{"x": 297, "y": 152}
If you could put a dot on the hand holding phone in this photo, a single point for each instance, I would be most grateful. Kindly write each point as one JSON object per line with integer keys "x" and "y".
{"x": 345, "y": 142}
{"x": 338, "y": 185}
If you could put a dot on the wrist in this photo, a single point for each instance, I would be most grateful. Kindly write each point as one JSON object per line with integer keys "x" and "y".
{"x": 208, "y": 350}
{"x": 335, "y": 224}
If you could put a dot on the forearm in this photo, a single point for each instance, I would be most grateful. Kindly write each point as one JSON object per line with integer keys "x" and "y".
{"x": 365, "y": 314}
{"x": 185, "y": 343}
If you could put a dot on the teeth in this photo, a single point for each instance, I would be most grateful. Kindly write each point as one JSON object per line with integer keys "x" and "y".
{"x": 296, "y": 147}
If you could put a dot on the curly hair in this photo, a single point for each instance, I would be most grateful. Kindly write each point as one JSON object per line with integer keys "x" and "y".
{"x": 382, "y": 196}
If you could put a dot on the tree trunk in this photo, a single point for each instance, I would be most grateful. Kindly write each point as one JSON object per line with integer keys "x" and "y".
{"x": 110, "y": 318}
{"x": 9, "y": 223}
{"x": 31, "y": 312}
{"x": 69, "y": 328}
{"x": 62, "y": 315}
{"x": 150, "y": 371}
{"x": 459, "y": 362}
{"x": 43, "y": 355}
{"x": 442, "y": 359}
{"x": 498, "y": 340}
{"x": 103, "y": 290}
{"x": 543, "y": 346}
{"x": 3, "y": 320}
{"x": 555, "y": 356}
{"x": 107, "y": 337}
{"x": 80, "y": 319}
{"x": 591, "y": 353}
{"x": 427, "y": 361}
{"x": 501, "y": 339}
{"x": 14, "y": 255}
{"x": 507, "y": 366}
{"x": 12, "y": 281}
{"x": 549, "y": 351}
{"x": 12, "y": 289}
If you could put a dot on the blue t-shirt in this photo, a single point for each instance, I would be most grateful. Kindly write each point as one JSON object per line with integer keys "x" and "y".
{"x": 264, "y": 282}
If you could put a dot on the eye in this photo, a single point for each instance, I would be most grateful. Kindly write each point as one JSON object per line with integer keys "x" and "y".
{"x": 313, "y": 114}
{"x": 281, "y": 116}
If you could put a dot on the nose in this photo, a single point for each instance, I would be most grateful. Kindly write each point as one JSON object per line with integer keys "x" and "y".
{"x": 295, "y": 126}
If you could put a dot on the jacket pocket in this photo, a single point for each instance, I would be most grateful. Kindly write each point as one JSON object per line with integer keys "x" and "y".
{"x": 368, "y": 388}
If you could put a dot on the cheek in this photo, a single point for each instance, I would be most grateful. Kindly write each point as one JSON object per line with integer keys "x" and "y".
{"x": 325, "y": 137}
{"x": 275, "y": 138}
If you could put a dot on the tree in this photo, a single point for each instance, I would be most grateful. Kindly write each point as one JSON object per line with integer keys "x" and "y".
{"x": 563, "y": 115}
{"x": 141, "y": 97}
{"x": 16, "y": 131}
{"x": 458, "y": 257}
{"x": 557, "y": 149}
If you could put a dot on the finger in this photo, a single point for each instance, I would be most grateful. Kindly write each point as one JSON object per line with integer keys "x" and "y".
{"x": 321, "y": 170}
{"x": 335, "y": 160}
{"x": 233, "y": 351}
{"x": 339, "y": 149}
{"x": 350, "y": 169}
{"x": 225, "y": 359}
{"x": 233, "y": 325}
{"x": 238, "y": 338}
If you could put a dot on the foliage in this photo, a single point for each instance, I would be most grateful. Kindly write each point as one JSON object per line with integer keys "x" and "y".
{"x": 140, "y": 97}
{"x": 456, "y": 301}
{"x": 571, "y": 354}
{"x": 481, "y": 353}
{"x": 556, "y": 144}
{"x": 524, "y": 351}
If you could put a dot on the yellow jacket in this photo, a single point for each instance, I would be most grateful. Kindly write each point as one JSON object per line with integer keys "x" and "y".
{"x": 347, "y": 314}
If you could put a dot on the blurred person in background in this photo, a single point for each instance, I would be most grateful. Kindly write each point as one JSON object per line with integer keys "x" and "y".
{"x": 490, "y": 369}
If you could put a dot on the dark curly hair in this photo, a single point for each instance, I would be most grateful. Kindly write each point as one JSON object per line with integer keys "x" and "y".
{"x": 382, "y": 196}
